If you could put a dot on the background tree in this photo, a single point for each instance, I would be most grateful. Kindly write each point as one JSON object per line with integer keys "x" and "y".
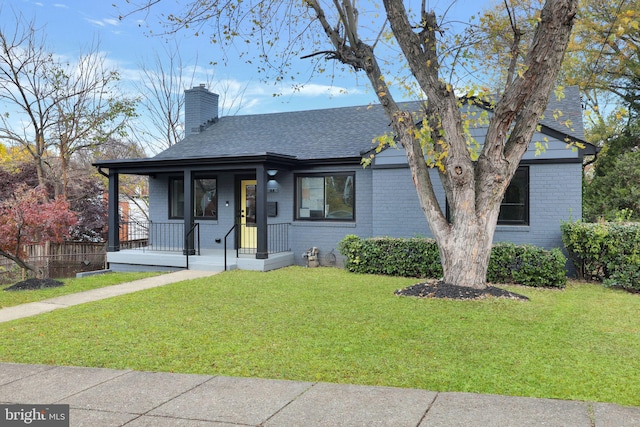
{"x": 85, "y": 197}
{"x": 602, "y": 56}
{"x": 474, "y": 183}
{"x": 49, "y": 105}
{"x": 88, "y": 108}
{"x": 163, "y": 82}
{"x": 26, "y": 218}
{"x": 14, "y": 175}
{"x": 133, "y": 188}
{"x": 162, "y": 87}
{"x": 612, "y": 184}
{"x": 24, "y": 69}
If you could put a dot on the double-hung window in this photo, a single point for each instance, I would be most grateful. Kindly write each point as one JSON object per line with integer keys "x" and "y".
{"x": 328, "y": 196}
{"x": 205, "y": 198}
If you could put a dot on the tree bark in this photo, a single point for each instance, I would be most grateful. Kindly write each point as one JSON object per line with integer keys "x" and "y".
{"x": 23, "y": 264}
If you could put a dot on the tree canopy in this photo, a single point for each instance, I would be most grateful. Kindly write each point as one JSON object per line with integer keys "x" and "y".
{"x": 601, "y": 58}
{"x": 53, "y": 108}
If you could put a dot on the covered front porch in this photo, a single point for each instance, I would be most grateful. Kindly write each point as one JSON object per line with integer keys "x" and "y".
{"x": 153, "y": 246}
{"x": 210, "y": 214}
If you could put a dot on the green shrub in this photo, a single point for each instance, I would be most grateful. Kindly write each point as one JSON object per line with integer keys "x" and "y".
{"x": 586, "y": 244}
{"x": 608, "y": 252}
{"x": 527, "y": 265}
{"x": 420, "y": 257}
{"x": 415, "y": 257}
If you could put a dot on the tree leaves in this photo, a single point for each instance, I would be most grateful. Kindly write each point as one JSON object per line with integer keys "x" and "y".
{"x": 27, "y": 217}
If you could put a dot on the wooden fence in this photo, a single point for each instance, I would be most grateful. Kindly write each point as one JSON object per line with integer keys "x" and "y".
{"x": 57, "y": 260}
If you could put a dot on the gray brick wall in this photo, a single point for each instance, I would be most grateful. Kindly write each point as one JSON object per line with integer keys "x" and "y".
{"x": 387, "y": 205}
{"x": 397, "y": 212}
{"x": 555, "y": 195}
{"x": 326, "y": 235}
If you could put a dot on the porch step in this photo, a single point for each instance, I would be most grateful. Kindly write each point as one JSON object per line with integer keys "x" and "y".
{"x": 207, "y": 264}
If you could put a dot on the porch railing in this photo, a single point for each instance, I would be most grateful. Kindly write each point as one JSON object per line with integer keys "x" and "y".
{"x": 170, "y": 237}
{"x": 158, "y": 236}
{"x": 277, "y": 240}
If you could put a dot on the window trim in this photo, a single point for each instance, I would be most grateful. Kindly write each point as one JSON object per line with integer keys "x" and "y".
{"x": 171, "y": 195}
{"x": 296, "y": 208}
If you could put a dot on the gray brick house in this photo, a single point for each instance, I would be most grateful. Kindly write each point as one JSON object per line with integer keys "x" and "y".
{"x": 257, "y": 191}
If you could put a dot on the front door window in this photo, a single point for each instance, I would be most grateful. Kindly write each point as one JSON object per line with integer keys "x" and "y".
{"x": 248, "y": 232}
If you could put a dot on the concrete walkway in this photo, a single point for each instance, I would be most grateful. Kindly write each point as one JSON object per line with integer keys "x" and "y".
{"x": 33, "y": 308}
{"x": 106, "y": 397}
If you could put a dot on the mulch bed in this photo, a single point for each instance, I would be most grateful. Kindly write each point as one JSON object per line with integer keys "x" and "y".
{"x": 31, "y": 284}
{"x": 438, "y": 289}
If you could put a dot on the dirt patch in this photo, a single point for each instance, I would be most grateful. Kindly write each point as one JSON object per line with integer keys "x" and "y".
{"x": 436, "y": 289}
{"x": 32, "y": 284}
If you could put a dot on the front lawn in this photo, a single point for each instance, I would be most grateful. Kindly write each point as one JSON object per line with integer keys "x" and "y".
{"x": 71, "y": 286}
{"x": 330, "y": 325}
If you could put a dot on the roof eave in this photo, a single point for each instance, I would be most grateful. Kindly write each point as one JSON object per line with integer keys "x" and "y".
{"x": 152, "y": 165}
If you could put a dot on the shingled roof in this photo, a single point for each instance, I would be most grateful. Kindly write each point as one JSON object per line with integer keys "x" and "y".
{"x": 314, "y": 134}
{"x": 334, "y": 133}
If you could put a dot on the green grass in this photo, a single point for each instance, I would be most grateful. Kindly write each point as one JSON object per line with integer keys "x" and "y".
{"x": 11, "y": 298}
{"x": 326, "y": 324}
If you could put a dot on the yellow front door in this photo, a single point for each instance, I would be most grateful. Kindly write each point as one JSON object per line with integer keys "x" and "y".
{"x": 248, "y": 231}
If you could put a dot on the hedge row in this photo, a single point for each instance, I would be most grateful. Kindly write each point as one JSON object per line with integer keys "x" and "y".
{"x": 607, "y": 252}
{"x": 418, "y": 257}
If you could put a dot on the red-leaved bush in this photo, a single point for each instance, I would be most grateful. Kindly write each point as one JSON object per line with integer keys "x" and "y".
{"x": 28, "y": 217}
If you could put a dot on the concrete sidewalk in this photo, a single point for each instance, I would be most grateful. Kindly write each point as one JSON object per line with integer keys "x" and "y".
{"x": 107, "y": 397}
{"x": 34, "y": 308}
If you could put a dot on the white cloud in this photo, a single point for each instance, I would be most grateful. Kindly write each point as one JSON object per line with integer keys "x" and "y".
{"x": 103, "y": 22}
{"x": 96, "y": 22}
{"x": 313, "y": 90}
{"x": 61, "y": 6}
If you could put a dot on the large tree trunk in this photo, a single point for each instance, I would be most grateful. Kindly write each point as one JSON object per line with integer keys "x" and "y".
{"x": 474, "y": 189}
{"x": 466, "y": 249}
{"x": 465, "y": 260}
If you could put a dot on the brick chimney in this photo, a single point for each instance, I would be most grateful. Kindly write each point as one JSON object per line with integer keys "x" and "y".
{"x": 200, "y": 109}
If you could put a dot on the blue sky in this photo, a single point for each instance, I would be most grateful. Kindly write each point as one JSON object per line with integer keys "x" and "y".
{"x": 72, "y": 25}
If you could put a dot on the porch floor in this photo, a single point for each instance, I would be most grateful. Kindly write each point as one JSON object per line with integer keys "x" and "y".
{"x": 144, "y": 259}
